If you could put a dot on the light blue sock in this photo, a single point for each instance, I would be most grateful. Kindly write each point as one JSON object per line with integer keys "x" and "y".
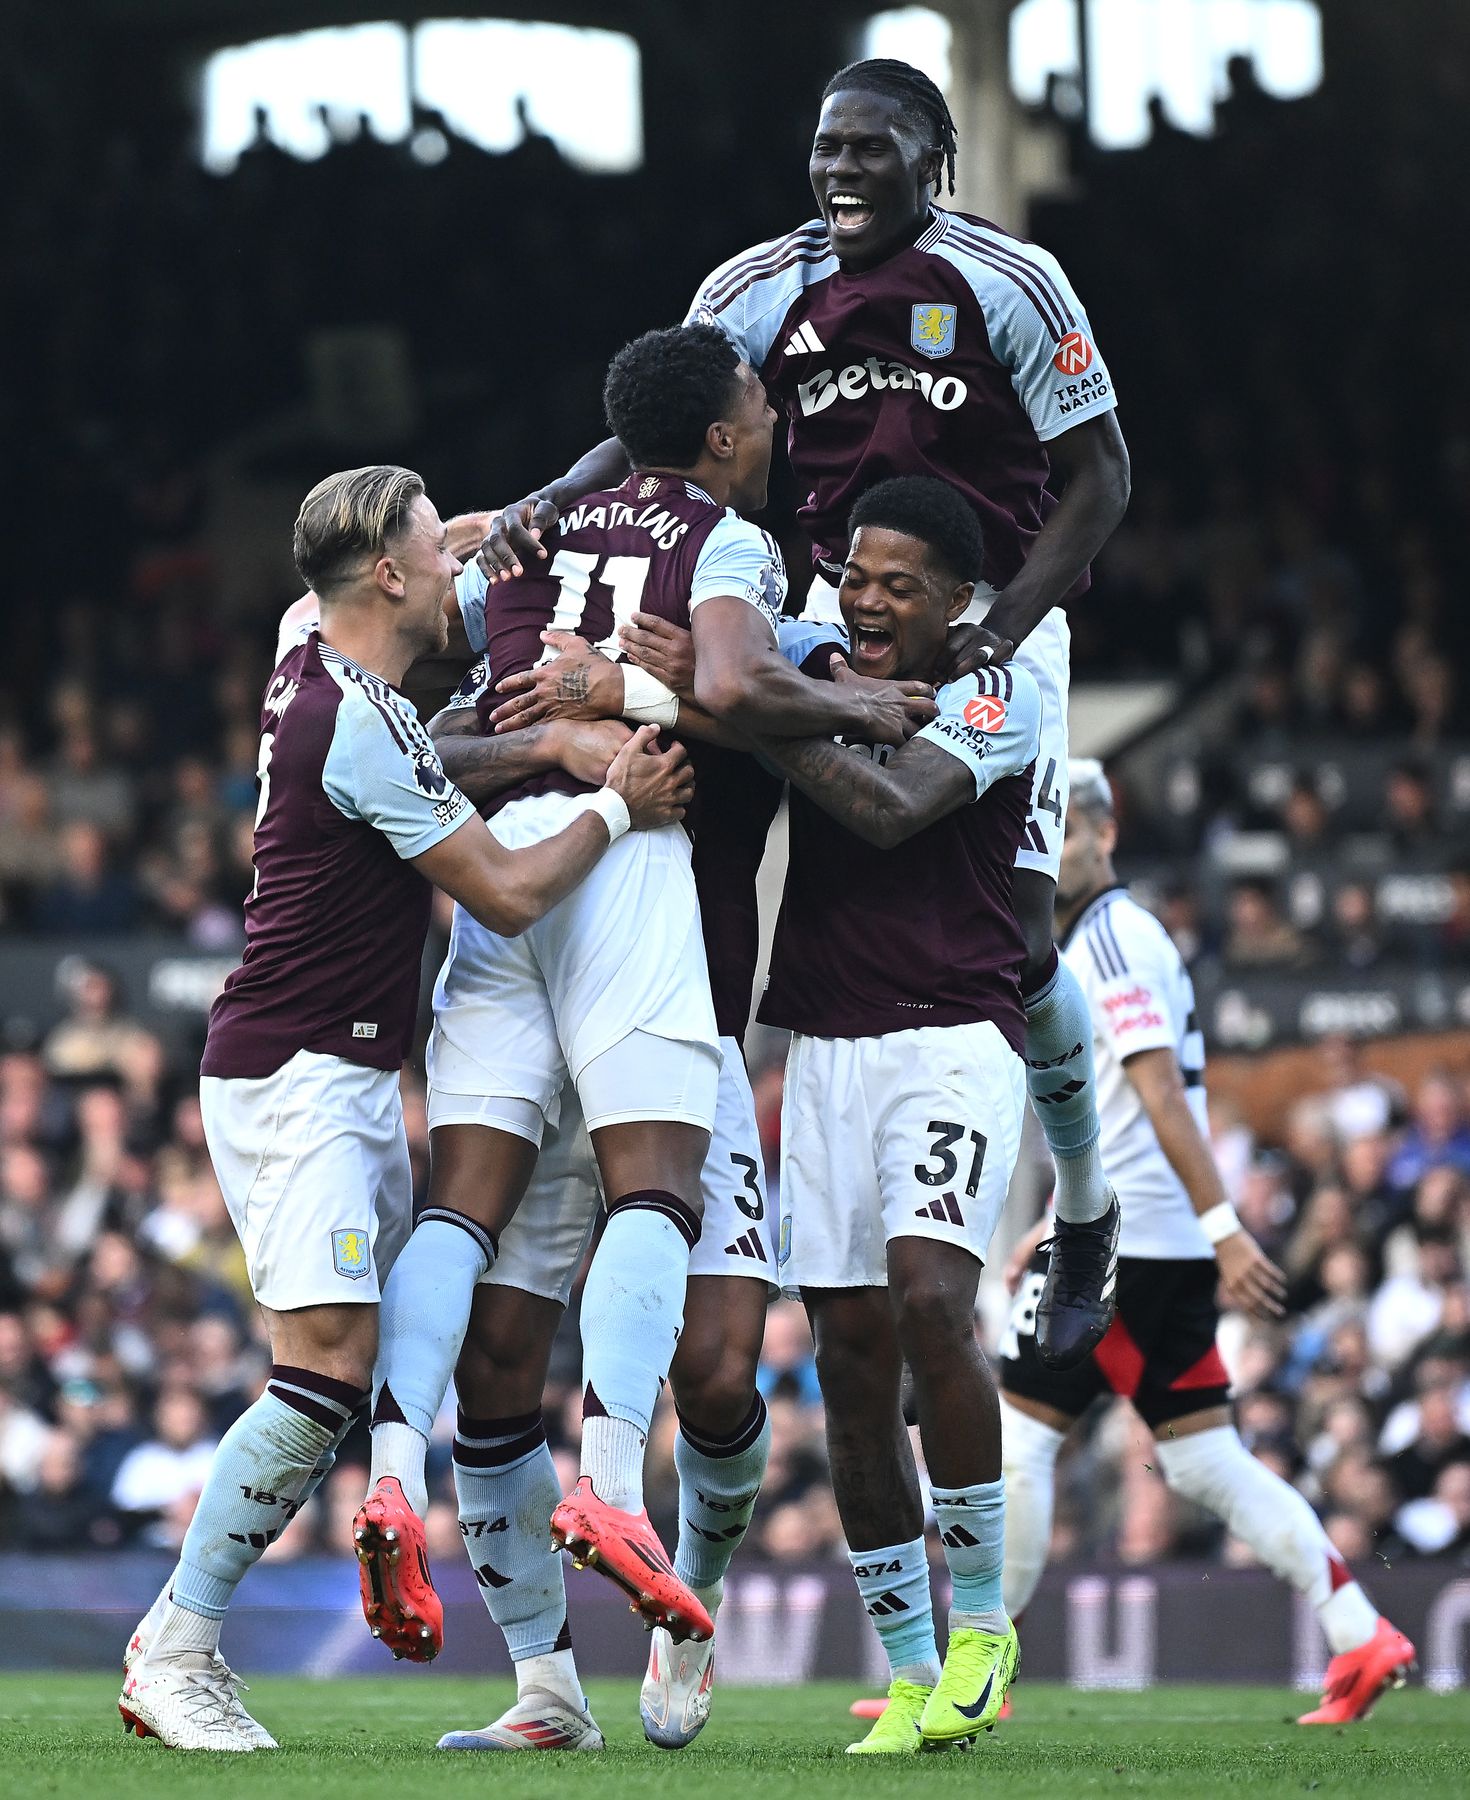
{"x": 425, "y": 1314}
{"x": 972, "y": 1528}
{"x": 894, "y": 1584}
{"x": 632, "y": 1308}
{"x": 261, "y": 1472}
{"x": 718, "y": 1486}
{"x": 507, "y": 1488}
{"x": 1063, "y": 1089}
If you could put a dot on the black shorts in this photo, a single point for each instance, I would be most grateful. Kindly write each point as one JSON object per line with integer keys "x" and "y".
{"x": 1159, "y": 1351}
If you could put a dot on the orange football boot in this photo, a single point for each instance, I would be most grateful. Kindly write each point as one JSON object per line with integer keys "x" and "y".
{"x": 625, "y": 1547}
{"x": 1357, "y": 1678}
{"x": 398, "y": 1598}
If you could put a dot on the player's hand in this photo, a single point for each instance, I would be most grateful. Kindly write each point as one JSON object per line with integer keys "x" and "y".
{"x": 465, "y": 532}
{"x": 657, "y": 785}
{"x": 579, "y": 684}
{"x": 885, "y": 712}
{"x": 968, "y": 648}
{"x": 666, "y": 651}
{"x": 586, "y": 750}
{"x": 1251, "y": 1282}
{"x": 514, "y": 537}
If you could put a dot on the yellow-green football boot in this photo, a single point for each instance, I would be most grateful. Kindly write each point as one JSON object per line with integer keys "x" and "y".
{"x": 896, "y": 1730}
{"x": 979, "y": 1667}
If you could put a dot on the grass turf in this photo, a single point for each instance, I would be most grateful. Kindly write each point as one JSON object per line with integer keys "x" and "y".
{"x": 345, "y": 1740}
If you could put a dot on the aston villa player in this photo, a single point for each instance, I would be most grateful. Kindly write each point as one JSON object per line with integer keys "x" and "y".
{"x": 899, "y": 338}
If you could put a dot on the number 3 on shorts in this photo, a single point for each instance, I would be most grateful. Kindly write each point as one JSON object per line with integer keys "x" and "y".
{"x": 753, "y": 1201}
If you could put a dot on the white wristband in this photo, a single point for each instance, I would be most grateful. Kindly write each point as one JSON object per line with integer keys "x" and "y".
{"x": 612, "y": 809}
{"x": 1219, "y": 1222}
{"x": 645, "y": 698}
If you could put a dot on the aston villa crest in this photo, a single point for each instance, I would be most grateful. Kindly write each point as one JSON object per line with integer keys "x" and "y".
{"x": 932, "y": 329}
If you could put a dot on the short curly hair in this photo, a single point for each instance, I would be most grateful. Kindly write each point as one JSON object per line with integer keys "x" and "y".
{"x": 664, "y": 391}
{"x": 929, "y": 510}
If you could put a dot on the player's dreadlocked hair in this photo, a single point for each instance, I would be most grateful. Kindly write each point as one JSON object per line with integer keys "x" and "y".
{"x": 923, "y": 106}
{"x": 929, "y": 510}
{"x": 664, "y": 391}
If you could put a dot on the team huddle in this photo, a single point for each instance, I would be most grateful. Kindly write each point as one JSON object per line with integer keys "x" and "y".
{"x": 635, "y": 697}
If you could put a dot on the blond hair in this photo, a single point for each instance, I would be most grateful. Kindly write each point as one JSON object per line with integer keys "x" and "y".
{"x": 351, "y": 515}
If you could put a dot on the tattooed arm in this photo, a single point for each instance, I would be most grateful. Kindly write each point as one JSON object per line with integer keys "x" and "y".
{"x": 883, "y": 803}
{"x": 482, "y": 767}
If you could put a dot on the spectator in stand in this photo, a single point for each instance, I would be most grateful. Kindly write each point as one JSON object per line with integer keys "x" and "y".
{"x": 1408, "y": 810}
{"x": 169, "y": 1467}
{"x": 90, "y": 896}
{"x": 1438, "y": 1136}
{"x": 93, "y": 1039}
{"x": 1257, "y": 935}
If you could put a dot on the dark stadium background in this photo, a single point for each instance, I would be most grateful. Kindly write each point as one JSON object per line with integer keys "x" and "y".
{"x": 1273, "y": 659}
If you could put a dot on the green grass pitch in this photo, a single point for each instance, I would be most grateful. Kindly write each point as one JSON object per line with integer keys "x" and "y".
{"x": 348, "y": 1740}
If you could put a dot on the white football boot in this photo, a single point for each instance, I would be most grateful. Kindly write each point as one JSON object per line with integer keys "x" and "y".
{"x": 677, "y": 1690}
{"x": 537, "y": 1721}
{"x": 231, "y": 1683}
{"x": 190, "y": 1703}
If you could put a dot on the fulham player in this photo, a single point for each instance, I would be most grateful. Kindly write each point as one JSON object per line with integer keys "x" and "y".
{"x": 1181, "y": 1240}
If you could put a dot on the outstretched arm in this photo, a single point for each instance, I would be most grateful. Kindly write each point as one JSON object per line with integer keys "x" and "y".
{"x": 741, "y": 677}
{"x": 883, "y": 803}
{"x": 514, "y": 535}
{"x": 1093, "y": 460}
{"x": 483, "y": 767}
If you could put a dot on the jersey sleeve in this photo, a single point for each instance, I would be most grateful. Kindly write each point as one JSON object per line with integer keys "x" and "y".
{"x": 809, "y": 643}
{"x": 383, "y": 770}
{"x": 470, "y": 588}
{"x": 991, "y": 721}
{"x": 749, "y": 296}
{"x": 741, "y": 560}
{"x": 1130, "y": 989}
{"x": 1039, "y": 331}
{"x": 476, "y": 682}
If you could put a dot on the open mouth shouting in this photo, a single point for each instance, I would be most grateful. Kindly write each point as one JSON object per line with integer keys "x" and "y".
{"x": 848, "y": 212}
{"x": 873, "y": 646}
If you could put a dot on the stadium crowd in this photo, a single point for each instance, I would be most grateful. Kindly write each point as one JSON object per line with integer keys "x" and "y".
{"x": 128, "y": 1341}
{"x": 1296, "y": 523}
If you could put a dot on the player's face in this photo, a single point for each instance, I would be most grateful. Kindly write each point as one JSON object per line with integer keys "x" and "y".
{"x": 872, "y": 177}
{"x": 750, "y": 426}
{"x": 897, "y": 604}
{"x": 1085, "y": 851}
{"x": 424, "y": 572}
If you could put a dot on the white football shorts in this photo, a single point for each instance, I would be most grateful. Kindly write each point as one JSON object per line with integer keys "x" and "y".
{"x": 313, "y": 1165}
{"x": 913, "y": 1134}
{"x": 1047, "y": 653}
{"x": 622, "y": 953}
{"x": 543, "y": 1246}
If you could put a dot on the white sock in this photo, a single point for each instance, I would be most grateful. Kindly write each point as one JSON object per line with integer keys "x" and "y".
{"x": 553, "y": 1673}
{"x": 1029, "y": 1458}
{"x": 399, "y": 1451}
{"x": 183, "y": 1633}
{"x": 612, "y": 1455}
{"x": 1215, "y": 1469}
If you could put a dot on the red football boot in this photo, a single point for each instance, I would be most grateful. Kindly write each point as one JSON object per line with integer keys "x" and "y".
{"x": 1357, "y": 1678}
{"x": 398, "y": 1598}
{"x": 625, "y": 1547}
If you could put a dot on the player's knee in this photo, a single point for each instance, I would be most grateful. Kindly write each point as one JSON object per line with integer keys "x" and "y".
{"x": 337, "y": 1341}
{"x": 720, "y": 1401}
{"x": 1033, "y": 898}
{"x": 932, "y": 1319}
